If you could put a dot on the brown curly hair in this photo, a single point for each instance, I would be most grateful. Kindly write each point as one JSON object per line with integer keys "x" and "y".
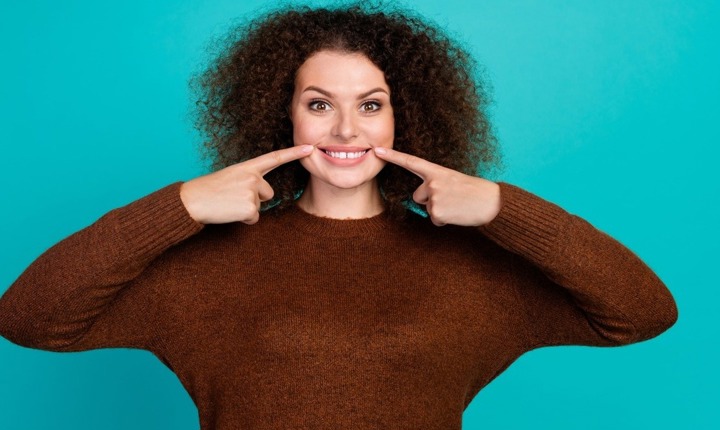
{"x": 438, "y": 99}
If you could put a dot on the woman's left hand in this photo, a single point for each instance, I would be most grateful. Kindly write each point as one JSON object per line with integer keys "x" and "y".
{"x": 450, "y": 197}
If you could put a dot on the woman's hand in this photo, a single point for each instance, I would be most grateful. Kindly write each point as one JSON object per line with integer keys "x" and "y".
{"x": 450, "y": 197}
{"x": 235, "y": 192}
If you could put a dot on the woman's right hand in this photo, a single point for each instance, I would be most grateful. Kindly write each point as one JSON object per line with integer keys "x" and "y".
{"x": 235, "y": 192}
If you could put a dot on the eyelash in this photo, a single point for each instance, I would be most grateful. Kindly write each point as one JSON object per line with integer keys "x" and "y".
{"x": 377, "y": 104}
{"x": 313, "y": 105}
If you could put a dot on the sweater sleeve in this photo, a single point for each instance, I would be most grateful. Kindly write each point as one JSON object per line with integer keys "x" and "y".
{"x": 69, "y": 299}
{"x": 603, "y": 293}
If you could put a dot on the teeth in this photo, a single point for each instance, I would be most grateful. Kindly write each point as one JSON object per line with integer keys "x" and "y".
{"x": 346, "y": 154}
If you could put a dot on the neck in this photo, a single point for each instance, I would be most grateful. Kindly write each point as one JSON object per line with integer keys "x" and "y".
{"x": 330, "y": 202}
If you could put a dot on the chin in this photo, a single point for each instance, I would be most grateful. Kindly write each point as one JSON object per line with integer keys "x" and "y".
{"x": 343, "y": 178}
{"x": 348, "y": 181}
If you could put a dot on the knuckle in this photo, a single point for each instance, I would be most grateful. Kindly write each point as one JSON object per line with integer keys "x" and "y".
{"x": 248, "y": 183}
{"x": 410, "y": 161}
{"x": 437, "y": 218}
{"x": 246, "y": 195}
{"x": 249, "y": 214}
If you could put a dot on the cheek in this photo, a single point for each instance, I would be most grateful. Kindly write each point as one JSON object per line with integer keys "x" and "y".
{"x": 385, "y": 133}
{"x": 306, "y": 131}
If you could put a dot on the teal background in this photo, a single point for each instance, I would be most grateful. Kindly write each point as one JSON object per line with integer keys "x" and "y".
{"x": 609, "y": 109}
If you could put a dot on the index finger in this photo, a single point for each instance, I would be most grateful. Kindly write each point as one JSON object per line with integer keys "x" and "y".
{"x": 417, "y": 165}
{"x": 271, "y": 160}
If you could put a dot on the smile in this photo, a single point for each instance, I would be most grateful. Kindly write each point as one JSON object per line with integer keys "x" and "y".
{"x": 344, "y": 155}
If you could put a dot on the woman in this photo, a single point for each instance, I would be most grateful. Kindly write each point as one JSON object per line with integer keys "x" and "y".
{"x": 296, "y": 287}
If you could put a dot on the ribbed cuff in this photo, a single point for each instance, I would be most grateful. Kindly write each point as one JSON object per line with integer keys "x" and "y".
{"x": 155, "y": 222}
{"x": 526, "y": 224}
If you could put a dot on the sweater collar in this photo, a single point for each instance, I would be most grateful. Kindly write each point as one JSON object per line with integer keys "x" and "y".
{"x": 330, "y": 227}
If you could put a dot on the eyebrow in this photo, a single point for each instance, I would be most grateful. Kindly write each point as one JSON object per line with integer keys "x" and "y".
{"x": 329, "y": 94}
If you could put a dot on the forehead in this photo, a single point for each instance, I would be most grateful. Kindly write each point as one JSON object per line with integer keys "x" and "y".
{"x": 339, "y": 70}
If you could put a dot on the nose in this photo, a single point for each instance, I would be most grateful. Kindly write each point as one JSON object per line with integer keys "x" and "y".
{"x": 345, "y": 127}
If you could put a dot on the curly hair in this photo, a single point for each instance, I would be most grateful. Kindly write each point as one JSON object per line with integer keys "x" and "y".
{"x": 438, "y": 100}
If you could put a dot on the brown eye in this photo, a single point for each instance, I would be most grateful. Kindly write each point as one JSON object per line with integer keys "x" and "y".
{"x": 370, "y": 107}
{"x": 319, "y": 105}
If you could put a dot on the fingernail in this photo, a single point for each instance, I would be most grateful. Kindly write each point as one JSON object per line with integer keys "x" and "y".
{"x": 307, "y": 149}
{"x": 381, "y": 151}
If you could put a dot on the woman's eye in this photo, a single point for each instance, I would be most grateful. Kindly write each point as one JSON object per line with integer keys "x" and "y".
{"x": 370, "y": 106}
{"x": 319, "y": 105}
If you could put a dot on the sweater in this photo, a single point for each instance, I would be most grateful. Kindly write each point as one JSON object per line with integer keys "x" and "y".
{"x": 304, "y": 322}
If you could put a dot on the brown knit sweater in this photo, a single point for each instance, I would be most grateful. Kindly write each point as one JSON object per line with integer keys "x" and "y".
{"x": 313, "y": 323}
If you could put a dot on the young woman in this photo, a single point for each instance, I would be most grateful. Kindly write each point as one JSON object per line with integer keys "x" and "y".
{"x": 297, "y": 286}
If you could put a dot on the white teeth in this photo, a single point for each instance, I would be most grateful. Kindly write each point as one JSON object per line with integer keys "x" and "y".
{"x": 346, "y": 154}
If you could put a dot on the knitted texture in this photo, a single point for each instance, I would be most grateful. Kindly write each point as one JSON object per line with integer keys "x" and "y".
{"x": 307, "y": 322}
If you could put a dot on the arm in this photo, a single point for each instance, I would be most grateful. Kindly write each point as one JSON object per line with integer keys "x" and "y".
{"x": 594, "y": 290}
{"x": 67, "y": 300}
{"x": 608, "y": 296}
{"x": 86, "y": 291}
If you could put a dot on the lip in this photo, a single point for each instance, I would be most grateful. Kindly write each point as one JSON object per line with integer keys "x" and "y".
{"x": 344, "y": 148}
{"x": 344, "y": 162}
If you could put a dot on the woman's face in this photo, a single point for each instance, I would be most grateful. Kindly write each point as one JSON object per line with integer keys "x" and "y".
{"x": 341, "y": 105}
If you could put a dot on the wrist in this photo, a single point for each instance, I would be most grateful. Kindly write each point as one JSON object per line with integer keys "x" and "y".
{"x": 187, "y": 198}
{"x": 495, "y": 202}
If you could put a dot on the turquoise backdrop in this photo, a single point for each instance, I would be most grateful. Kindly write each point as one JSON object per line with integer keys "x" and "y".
{"x": 607, "y": 108}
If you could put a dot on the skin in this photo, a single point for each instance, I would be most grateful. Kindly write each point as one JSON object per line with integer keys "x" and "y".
{"x": 234, "y": 193}
{"x": 450, "y": 197}
{"x": 341, "y": 104}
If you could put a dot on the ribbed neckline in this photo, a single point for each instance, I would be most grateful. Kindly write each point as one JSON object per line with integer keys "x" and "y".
{"x": 330, "y": 227}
